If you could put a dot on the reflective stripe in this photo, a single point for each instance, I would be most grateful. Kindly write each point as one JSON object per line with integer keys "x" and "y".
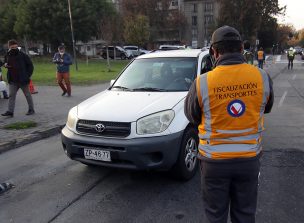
{"x": 206, "y": 105}
{"x": 198, "y": 91}
{"x": 235, "y": 131}
{"x": 240, "y": 138}
{"x": 229, "y": 148}
{"x": 266, "y": 91}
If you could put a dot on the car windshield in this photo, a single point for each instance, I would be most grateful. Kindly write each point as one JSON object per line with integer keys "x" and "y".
{"x": 158, "y": 74}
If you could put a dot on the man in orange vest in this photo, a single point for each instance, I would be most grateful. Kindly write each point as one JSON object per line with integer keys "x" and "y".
{"x": 228, "y": 104}
{"x": 261, "y": 57}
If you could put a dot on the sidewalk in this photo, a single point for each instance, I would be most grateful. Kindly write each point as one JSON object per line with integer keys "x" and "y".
{"x": 52, "y": 110}
{"x": 51, "y": 113}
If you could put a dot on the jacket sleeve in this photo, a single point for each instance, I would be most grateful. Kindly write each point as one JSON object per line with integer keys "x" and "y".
{"x": 29, "y": 65}
{"x": 192, "y": 108}
{"x": 269, "y": 104}
{"x": 55, "y": 58}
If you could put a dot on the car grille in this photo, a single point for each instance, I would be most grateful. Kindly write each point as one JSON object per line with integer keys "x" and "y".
{"x": 100, "y": 128}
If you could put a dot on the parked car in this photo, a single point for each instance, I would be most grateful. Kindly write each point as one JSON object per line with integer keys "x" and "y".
{"x": 119, "y": 52}
{"x": 139, "y": 122}
{"x": 298, "y": 50}
{"x": 135, "y": 51}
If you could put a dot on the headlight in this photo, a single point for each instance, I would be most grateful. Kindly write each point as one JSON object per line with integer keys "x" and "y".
{"x": 155, "y": 123}
{"x": 72, "y": 118}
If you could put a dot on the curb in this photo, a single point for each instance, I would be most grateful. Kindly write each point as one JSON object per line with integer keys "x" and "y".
{"x": 30, "y": 138}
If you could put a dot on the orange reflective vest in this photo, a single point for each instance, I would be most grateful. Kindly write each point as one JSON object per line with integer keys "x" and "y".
{"x": 260, "y": 55}
{"x": 232, "y": 99}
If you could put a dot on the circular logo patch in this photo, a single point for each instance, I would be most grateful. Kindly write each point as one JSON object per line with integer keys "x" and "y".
{"x": 236, "y": 108}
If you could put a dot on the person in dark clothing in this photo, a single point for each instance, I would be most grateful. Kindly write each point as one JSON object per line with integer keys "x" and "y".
{"x": 247, "y": 52}
{"x": 5, "y": 95}
{"x": 227, "y": 105}
{"x": 63, "y": 61}
{"x": 19, "y": 71}
{"x": 290, "y": 56}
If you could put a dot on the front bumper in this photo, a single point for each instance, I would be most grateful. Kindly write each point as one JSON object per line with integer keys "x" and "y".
{"x": 140, "y": 154}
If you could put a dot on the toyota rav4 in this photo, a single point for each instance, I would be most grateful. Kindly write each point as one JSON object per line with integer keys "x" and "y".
{"x": 139, "y": 121}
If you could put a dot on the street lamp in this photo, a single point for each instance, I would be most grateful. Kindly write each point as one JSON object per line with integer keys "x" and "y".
{"x": 72, "y": 31}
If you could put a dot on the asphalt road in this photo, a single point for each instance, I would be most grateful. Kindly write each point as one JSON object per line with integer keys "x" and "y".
{"x": 51, "y": 188}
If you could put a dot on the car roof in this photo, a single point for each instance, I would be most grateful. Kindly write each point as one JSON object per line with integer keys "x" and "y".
{"x": 174, "y": 53}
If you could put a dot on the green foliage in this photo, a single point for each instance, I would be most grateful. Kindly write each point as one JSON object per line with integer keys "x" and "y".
{"x": 20, "y": 125}
{"x": 137, "y": 30}
{"x": 251, "y": 17}
{"x": 49, "y": 22}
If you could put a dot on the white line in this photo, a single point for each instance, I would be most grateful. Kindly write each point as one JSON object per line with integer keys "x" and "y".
{"x": 294, "y": 77}
{"x": 282, "y": 99}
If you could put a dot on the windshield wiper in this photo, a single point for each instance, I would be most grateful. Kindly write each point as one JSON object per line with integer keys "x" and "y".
{"x": 148, "y": 89}
{"x": 122, "y": 88}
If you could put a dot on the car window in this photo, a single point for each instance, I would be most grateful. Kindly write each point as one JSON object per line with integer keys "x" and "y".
{"x": 206, "y": 64}
{"x": 168, "y": 74}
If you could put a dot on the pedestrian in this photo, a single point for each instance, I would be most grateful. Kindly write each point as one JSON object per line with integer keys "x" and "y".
{"x": 4, "y": 92}
{"x": 19, "y": 71}
{"x": 261, "y": 57}
{"x": 63, "y": 61}
{"x": 247, "y": 53}
{"x": 290, "y": 56}
{"x": 227, "y": 105}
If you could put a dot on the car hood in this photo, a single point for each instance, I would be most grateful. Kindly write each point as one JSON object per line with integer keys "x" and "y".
{"x": 125, "y": 106}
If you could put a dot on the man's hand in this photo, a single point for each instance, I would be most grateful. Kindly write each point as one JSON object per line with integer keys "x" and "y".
{"x": 7, "y": 66}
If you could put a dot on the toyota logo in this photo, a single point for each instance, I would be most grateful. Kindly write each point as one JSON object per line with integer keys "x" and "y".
{"x": 100, "y": 127}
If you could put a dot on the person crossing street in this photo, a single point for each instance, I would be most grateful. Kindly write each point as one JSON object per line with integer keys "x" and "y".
{"x": 290, "y": 56}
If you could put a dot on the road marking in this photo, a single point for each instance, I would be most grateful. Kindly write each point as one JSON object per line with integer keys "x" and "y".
{"x": 294, "y": 77}
{"x": 282, "y": 99}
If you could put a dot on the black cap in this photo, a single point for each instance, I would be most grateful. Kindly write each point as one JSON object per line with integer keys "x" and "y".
{"x": 225, "y": 33}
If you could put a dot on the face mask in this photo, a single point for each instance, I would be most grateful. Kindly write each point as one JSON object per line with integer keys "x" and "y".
{"x": 13, "y": 52}
{"x": 61, "y": 54}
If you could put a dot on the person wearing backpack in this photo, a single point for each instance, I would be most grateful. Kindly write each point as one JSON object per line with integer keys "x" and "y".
{"x": 248, "y": 55}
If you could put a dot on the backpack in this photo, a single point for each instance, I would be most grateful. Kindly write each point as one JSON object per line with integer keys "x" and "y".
{"x": 248, "y": 57}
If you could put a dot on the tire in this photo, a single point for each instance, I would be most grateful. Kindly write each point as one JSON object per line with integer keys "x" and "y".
{"x": 123, "y": 57}
{"x": 187, "y": 162}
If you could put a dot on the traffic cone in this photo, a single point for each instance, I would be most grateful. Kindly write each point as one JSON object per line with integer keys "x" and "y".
{"x": 32, "y": 88}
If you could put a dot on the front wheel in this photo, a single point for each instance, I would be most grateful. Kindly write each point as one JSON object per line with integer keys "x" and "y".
{"x": 123, "y": 57}
{"x": 187, "y": 163}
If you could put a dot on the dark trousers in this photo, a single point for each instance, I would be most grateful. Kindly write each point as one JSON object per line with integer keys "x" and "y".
{"x": 260, "y": 63}
{"x": 66, "y": 78}
{"x": 230, "y": 186}
{"x": 290, "y": 63}
{"x": 13, "y": 89}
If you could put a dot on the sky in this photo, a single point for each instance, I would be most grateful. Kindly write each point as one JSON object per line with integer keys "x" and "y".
{"x": 294, "y": 13}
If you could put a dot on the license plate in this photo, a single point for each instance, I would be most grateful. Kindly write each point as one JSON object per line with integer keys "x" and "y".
{"x": 96, "y": 154}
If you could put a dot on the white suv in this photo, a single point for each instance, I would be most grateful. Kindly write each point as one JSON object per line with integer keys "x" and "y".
{"x": 139, "y": 121}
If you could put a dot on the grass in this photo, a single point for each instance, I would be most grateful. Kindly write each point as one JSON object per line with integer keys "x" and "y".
{"x": 20, "y": 125}
{"x": 96, "y": 71}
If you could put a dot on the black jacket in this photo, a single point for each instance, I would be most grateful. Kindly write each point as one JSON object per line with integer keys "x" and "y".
{"x": 24, "y": 68}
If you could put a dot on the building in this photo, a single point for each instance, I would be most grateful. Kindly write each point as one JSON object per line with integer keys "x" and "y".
{"x": 201, "y": 18}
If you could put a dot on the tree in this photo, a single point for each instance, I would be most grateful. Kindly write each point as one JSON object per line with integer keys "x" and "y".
{"x": 161, "y": 18}
{"x": 7, "y": 20}
{"x": 136, "y": 30}
{"x": 241, "y": 14}
{"x": 253, "y": 18}
{"x": 283, "y": 34}
{"x": 48, "y": 21}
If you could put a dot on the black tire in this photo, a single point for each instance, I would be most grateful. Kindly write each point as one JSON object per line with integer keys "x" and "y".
{"x": 187, "y": 162}
{"x": 123, "y": 56}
